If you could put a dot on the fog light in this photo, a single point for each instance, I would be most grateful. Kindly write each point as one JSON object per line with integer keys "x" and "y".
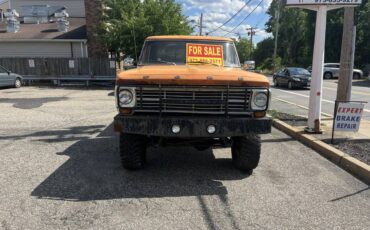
{"x": 176, "y": 129}
{"x": 211, "y": 129}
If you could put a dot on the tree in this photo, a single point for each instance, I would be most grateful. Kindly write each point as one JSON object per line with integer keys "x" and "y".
{"x": 362, "y": 57}
{"x": 292, "y": 33}
{"x": 297, "y": 32}
{"x": 264, "y": 50}
{"x": 126, "y": 23}
{"x": 243, "y": 46}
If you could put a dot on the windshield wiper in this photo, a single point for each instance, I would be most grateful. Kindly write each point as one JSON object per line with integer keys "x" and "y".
{"x": 203, "y": 62}
{"x": 166, "y": 62}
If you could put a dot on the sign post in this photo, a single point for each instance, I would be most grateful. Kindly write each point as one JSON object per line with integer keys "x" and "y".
{"x": 321, "y": 7}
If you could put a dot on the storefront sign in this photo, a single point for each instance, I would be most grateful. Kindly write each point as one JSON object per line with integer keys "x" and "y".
{"x": 204, "y": 53}
{"x": 323, "y": 2}
{"x": 348, "y": 117}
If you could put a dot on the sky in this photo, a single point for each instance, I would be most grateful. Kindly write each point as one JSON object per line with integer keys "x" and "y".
{"x": 216, "y": 12}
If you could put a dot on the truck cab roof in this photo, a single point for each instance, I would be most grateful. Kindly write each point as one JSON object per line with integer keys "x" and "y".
{"x": 188, "y": 37}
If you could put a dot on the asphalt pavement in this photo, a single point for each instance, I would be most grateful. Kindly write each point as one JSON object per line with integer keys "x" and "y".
{"x": 300, "y": 97}
{"x": 60, "y": 169}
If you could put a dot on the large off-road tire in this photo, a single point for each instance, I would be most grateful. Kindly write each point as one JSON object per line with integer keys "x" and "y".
{"x": 133, "y": 151}
{"x": 246, "y": 152}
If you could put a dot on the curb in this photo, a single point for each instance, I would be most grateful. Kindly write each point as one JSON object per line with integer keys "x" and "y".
{"x": 343, "y": 160}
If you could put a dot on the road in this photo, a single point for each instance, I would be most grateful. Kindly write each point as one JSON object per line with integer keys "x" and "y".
{"x": 60, "y": 169}
{"x": 301, "y": 96}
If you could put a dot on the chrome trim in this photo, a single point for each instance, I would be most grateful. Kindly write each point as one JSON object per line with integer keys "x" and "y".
{"x": 253, "y": 105}
{"x": 133, "y": 102}
{"x": 194, "y": 99}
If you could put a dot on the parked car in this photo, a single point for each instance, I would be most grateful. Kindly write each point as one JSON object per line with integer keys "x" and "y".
{"x": 128, "y": 63}
{"x": 7, "y": 78}
{"x": 331, "y": 70}
{"x": 292, "y": 77}
{"x": 249, "y": 65}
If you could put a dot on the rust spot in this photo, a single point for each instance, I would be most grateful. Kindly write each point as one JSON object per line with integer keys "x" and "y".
{"x": 317, "y": 126}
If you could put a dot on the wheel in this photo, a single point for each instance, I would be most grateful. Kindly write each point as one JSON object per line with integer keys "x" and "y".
{"x": 133, "y": 151}
{"x": 246, "y": 152}
{"x": 276, "y": 83}
{"x": 328, "y": 75}
{"x": 290, "y": 85}
{"x": 17, "y": 83}
{"x": 356, "y": 76}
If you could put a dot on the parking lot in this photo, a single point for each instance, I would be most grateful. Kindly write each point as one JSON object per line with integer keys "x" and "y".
{"x": 60, "y": 169}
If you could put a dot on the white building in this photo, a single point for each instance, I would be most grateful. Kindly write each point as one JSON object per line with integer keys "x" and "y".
{"x": 44, "y": 39}
{"x": 75, "y": 8}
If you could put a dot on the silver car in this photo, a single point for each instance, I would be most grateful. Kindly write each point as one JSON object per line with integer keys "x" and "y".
{"x": 331, "y": 70}
{"x": 7, "y": 78}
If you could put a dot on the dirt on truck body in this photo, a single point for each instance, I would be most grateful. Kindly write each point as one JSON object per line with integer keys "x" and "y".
{"x": 191, "y": 90}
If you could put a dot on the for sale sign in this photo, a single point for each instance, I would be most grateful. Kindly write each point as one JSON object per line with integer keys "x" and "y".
{"x": 204, "y": 53}
{"x": 348, "y": 117}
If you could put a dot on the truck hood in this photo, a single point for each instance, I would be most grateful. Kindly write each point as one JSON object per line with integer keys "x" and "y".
{"x": 191, "y": 75}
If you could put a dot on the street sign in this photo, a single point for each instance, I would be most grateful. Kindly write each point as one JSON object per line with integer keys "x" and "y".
{"x": 323, "y": 2}
{"x": 348, "y": 116}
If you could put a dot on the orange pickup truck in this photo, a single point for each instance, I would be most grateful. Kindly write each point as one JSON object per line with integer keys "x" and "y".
{"x": 191, "y": 90}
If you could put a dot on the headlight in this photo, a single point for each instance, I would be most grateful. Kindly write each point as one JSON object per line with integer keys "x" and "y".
{"x": 126, "y": 97}
{"x": 260, "y": 100}
{"x": 296, "y": 79}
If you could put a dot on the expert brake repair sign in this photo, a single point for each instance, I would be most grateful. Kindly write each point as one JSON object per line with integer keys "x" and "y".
{"x": 204, "y": 53}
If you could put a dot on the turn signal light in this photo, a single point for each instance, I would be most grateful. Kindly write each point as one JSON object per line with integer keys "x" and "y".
{"x": 259, "y": 114}
{"x": 125, "y": 111}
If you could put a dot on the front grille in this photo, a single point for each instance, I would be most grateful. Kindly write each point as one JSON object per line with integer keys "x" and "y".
{"x": 193, "y": 99}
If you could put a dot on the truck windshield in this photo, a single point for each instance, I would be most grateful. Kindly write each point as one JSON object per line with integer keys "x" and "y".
{"x": 175, "y": 53}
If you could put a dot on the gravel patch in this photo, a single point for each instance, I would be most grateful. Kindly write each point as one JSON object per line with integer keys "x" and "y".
{"x": 358, "y": 149}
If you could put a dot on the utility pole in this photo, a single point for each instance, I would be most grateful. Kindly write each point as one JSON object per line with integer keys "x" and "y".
{"x": 347, "y": 56}
{"x": 201, "y": 24}
{"x": 277, "y": 16}
{"x": 251, "y": 32}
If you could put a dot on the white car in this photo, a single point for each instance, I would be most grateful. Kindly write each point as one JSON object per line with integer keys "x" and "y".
{"x": 331, "y": 70}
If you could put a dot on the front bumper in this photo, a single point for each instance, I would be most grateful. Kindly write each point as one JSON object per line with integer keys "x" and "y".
{"x": 190, "y": 126}
{"x": 302, "y": 83}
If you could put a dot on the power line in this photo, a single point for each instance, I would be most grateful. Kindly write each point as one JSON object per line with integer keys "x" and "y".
{"x": 232, "y": 17}
{"x": 244, "y": 18}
